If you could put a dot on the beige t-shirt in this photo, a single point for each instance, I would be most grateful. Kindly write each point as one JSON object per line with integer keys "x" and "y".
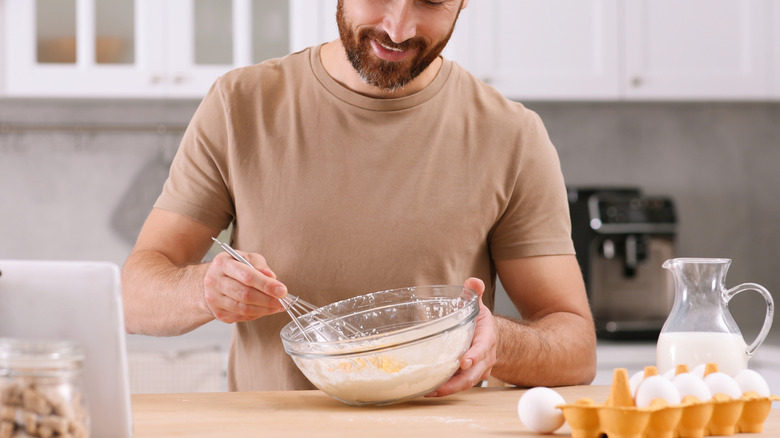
{"x": 346, "y": 194}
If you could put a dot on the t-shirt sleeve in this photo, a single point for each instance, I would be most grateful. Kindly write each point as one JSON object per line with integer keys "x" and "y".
{"x": 198, "y": 183}
{"x": 536, "y": 220}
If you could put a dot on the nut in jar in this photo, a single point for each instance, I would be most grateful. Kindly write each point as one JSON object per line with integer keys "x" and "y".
{"x": 40, "y": 389}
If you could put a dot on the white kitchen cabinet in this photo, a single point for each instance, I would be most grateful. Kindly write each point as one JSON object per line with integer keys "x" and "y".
{"x": 135, "y": 48}
{"x": 605, "y": 49}
{"x": 527, "y": 49}
{"x": 696, "y": 49}
{"x": 544, "y": 49}
{"x": 314, "y": 22}
{"x": 627, "y": 49}
{"x": 774, "y": 47}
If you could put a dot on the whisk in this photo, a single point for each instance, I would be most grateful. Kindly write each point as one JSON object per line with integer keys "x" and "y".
{"x": 296, "y": 307}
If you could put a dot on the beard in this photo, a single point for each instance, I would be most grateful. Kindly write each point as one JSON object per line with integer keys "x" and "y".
{"x": 386, "y": 75}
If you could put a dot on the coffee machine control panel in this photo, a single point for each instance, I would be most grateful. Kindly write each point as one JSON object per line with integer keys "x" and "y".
{"x": 618, "y": 214}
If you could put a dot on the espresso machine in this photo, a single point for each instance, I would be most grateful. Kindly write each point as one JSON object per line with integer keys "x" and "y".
{"x": 622, "y": 238}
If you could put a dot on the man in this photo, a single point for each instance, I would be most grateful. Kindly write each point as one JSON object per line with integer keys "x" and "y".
{"x": 364, "y": 164}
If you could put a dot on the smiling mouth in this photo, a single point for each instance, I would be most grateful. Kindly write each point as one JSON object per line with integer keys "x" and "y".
{"x": 394, "y": 49}
{"x": 390, "y": 53}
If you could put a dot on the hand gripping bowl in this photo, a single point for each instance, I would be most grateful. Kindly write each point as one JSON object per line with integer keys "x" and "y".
{"x": 401, "y": 343}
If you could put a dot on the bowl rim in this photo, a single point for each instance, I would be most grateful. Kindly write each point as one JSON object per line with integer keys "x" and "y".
{"x": 347, "y": 351}
{"x": 387, "y": 346}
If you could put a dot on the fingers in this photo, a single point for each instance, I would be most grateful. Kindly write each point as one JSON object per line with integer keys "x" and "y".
{"x": 476, "y": 285}
{"x": 261, "y": 277}
{"x": 478, "y": 361}
{"x": 228, "y": 310}
{"x": 461, "y": 381}
{"x": 475, "y": 366}
{"x": 237, "y": 292}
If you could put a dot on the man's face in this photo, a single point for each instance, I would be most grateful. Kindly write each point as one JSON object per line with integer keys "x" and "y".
{"x": 389, "y": 43}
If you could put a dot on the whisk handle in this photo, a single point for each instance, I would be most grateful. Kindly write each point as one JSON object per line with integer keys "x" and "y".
{"x": 232, "y": 252}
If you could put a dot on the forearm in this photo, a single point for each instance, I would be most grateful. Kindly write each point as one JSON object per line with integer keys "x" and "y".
{"x": 556, "y": 350}
{"x": 161, "y": 298}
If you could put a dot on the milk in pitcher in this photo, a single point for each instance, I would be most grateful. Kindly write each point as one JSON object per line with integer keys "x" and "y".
{"x": 728, "y": 350}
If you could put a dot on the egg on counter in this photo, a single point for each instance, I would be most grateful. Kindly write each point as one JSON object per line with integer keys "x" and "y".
{"x": 537, "y": 410}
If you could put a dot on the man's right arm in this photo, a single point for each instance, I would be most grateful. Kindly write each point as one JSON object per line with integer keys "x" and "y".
{"x": 162, "y": 279}
{"x": 167, "y": 290}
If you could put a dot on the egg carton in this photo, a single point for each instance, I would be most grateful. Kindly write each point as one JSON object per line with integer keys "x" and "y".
{"x": 619, "y": 416}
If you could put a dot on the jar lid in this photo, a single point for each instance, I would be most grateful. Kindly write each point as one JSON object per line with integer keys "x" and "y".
{"x": 39, "y": 354}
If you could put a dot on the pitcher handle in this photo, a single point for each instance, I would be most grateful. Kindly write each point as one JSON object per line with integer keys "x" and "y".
{"x": 770, "y": 310}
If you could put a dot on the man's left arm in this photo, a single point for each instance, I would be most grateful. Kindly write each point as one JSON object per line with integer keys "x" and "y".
{"x": 554, "y": 344}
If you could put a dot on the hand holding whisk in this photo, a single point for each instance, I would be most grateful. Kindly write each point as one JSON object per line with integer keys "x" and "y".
{"x": 294, "y": 306}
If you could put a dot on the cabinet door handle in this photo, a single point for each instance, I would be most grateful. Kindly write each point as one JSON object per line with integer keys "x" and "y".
{"x": 636, "y": 81}
{"x": 156, "y": 79}
{"x": 178, "y": 79}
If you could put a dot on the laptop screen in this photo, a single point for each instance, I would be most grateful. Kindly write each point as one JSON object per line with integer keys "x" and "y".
{"x": 79, "y": 302}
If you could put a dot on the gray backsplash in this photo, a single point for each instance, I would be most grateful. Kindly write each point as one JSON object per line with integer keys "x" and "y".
{"x": 79, "y": 176}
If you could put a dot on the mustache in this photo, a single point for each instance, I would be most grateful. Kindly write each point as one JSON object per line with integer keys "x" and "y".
{"x": 384, "y": 39}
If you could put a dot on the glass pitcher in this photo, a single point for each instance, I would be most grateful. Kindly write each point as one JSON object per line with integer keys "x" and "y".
{"x": 699, "y": 328}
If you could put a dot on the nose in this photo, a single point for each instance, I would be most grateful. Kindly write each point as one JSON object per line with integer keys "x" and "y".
{"x": 400, "y": 22}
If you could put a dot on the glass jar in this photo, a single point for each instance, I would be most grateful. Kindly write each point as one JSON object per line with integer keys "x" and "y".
{"x": 41, "y": 392}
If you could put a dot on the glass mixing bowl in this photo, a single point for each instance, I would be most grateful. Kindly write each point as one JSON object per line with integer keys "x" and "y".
{"x": 385, "y": 347}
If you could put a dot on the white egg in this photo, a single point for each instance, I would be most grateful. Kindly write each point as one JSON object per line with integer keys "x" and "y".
{"x": 691, "y": 384}
{"x": 669, "y": 375}
{"x": 635, "y": 380}
{"x": 655, "y": 387}
{"x": 698, "y": 370}
{"x": 537, "y": 410}
{"x": 722, "y": 383}
{"x": 750, "y": 380}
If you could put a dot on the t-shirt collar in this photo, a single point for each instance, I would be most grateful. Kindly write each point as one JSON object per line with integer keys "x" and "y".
{"x": 372, "y": 103}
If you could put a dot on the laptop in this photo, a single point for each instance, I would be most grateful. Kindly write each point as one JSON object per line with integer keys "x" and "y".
{"x": 80, "y": 302}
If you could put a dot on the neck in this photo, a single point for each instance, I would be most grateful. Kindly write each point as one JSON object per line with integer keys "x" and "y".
{"x": 334, "y": 60}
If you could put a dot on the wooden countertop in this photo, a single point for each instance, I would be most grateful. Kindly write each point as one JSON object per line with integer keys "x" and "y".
{"x": 477, "y": 412}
